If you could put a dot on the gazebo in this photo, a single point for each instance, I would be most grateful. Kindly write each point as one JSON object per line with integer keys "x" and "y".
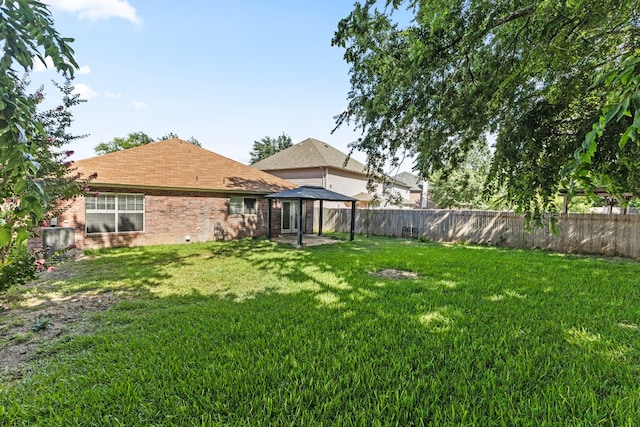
{"x": 309, "y": 192}
{"x": 600, "y": 192}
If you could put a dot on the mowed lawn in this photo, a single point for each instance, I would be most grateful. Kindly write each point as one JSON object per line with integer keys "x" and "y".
{"x": 257, "y": 334}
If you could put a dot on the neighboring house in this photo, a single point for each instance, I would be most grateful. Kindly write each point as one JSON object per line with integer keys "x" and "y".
{"x": 418, "y": 190}
{"x": 170, "y": 192}
{"x": 313, "y": 162}
{"x": 397, "y": 193}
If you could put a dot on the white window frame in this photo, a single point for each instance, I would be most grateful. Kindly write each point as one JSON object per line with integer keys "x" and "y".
{"x": 233, "y": 208}
{"x": 116, "y": 211}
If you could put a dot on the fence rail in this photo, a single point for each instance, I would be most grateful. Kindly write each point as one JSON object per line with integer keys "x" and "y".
{"x": 611, "y": 235}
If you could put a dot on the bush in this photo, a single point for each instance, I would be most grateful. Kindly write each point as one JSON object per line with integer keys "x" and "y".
{"x": 19, "y": 268}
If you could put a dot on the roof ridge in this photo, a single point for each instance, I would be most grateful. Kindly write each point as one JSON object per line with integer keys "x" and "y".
{"x": 320, "y": 153}
{"x": 330, "y": 148}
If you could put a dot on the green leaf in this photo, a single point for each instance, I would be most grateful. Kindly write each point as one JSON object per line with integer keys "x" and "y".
{"x": 610, "y": 114}
{"x": 624, "y": 109}
{"x": 5, "y": 235}
{"x": 20, "y": 186}
{"x": 625, "y": 137}
{"x": 22, "y": 235}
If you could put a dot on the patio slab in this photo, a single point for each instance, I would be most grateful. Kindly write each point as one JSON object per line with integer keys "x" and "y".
{"x": 307, "y": 239}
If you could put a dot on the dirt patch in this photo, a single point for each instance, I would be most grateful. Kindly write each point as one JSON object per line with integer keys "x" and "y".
{"x": 391, "y": 273}
{"x": 37, "y": 314}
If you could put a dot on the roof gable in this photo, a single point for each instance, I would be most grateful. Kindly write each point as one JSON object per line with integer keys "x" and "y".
{"x": 310, "y": 153}
{"x": 409, "y": 179}
{"x": 177, "y": 164}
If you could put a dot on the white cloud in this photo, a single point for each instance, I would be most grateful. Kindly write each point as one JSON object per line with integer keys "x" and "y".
{"x": 113, "y": 95}
{"x": 84, "y": 91}
{"x": 94, "y": 10}
{"x": 85, "y": 69}
{"x": 138, "y": 105}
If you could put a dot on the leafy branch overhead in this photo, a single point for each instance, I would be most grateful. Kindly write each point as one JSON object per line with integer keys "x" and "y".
{"x": 555, "y": 83}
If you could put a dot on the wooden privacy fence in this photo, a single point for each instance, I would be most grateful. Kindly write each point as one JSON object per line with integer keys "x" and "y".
{"x": 611, "y": 235}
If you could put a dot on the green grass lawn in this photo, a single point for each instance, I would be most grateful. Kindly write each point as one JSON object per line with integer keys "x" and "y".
{"x": 252, "y": 333}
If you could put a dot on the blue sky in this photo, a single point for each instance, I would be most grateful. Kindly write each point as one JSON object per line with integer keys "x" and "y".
{"x": 227, "y": 72}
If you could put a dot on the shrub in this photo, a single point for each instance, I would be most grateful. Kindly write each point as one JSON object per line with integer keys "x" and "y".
{"x": 22, "y": 266}
{"x": 19, "y": 267}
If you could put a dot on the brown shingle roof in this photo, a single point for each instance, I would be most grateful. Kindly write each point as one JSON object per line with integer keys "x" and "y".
{"x": 177, "y": 164}
{"x": 309, "y": 153}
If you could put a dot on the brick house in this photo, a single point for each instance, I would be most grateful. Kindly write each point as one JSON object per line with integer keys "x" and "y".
{"x": 171, "y": 192}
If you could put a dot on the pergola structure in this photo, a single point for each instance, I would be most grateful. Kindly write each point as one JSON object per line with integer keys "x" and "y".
{"x": 600, "y": 192}
{"x": 309, "y": 192}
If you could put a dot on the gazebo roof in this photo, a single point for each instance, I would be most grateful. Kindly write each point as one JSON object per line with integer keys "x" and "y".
{"x": 311, "y": 192}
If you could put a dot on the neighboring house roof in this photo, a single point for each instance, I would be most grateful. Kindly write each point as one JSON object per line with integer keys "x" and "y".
{"x": 312, "y": 192}
{"x": 396, "y": 183}
{"x": 309, "y": 153}
{"x": 177, "y": 164}
{"x": 364, "y": 197}
{"x": 410, "y": 180}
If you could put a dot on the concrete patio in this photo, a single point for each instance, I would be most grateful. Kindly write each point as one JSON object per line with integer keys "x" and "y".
{"x": 307, "y": 239}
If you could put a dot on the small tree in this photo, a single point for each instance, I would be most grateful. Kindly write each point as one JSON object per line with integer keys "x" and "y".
{"x": 55, "y": 177}
{"x": 268, "y": 146}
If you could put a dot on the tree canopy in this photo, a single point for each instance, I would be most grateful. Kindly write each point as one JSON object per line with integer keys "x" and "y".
{"x": 268, "y": 146}
{"x": 556, "y": 83}
{"x": 134, "y": 139}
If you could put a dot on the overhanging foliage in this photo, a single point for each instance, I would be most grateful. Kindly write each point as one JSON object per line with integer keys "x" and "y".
{"x": 556, "y": 82}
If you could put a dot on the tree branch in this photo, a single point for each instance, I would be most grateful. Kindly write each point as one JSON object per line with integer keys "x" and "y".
{"x": 525, "y": 11}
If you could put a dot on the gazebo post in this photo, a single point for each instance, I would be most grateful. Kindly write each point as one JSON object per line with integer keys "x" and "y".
{"x": 353, "y": 218}
{"x": 320, "y": 220}
{"x": 300, "y": 222}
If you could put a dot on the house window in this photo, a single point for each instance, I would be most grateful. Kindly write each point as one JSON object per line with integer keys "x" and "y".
{"x": 115, "y": 213}
{"x": 242, "y": 205}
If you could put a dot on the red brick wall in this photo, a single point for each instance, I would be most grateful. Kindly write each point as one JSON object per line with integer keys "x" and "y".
{"x": 171, "y": 216}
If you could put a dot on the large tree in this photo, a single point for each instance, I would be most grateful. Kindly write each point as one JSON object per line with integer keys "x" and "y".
{"x": 556, "y": 83}
{"x": 134, "y": 139}
{"x": 27, "y": 141}
{"x": 268, "y": 146}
